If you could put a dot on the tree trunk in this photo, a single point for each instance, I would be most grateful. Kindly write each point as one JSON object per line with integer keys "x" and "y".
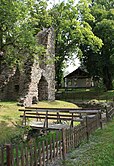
{"x": 107, "y": 78}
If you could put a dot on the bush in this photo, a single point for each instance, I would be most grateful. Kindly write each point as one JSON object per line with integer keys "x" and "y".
{"x": 11, "y": 133}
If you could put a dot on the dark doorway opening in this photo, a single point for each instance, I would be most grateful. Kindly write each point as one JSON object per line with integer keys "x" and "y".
{"x": 43, "y": 89}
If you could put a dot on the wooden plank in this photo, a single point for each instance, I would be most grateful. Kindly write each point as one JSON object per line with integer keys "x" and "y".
{"x": 87, "y": 130}
{"x": 8, "y": 153}
{"x": 85, "y": 111}
{"x": 54, "y": 118}
{"x": 17, "y": 155}
{"x": 12, "y": 156}
{"x": 39, "y": 153}
{"x": 2, "y": 156}
{"x": 51, "y": 150}
{"x": 63, "y": 144}
{"x": 57, "y": 139}
{"x": 35, "y": 155}
{"x": 55, "y": 109}
{"x": 75, "y": 137}
{"x": 31, "y": 155}
{"x": 22, "y": 155}
{"x": 26, "y": 155}
{"x": 43, "y": 110}
{"x": 72, "y": 119}
{"x": 56, "y": 115}
{"x": 43, "y": 153}
{"x": 47, "y": 154}
{"x": 53, "y": 143}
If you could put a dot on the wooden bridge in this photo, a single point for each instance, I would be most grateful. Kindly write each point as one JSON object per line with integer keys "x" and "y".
{"x": 56, "y": 118}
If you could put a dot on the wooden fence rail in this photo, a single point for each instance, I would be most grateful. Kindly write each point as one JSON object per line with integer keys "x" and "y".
{"x": 40, "y": 154}
{"x": 36, "y": 153}
{"x": 46, "y": 115}
{"x": 109, "y": 113}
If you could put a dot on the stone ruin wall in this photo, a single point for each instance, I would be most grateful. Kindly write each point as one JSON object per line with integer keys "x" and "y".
{"x": 35, "y": 82}
{"x": 8, "y": 83}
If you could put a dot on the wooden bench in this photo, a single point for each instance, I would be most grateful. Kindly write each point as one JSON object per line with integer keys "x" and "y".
{"x": 56, "y": 114}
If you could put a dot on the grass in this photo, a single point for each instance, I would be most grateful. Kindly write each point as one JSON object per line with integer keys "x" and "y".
{"x": 9, "y": 117}
{"x": 55, "y": 104}
{"x": 10, "y": 122}
{"x": 87, "y": 94}
{"x": 9, "y": 112}
{"x": 98, "y": 152}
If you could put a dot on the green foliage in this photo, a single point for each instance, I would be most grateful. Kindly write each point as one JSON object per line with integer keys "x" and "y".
{"x": 98, "y": 93}
{"x": 101, "y": 63}
{"x": 22, "y": 20}
{"x": 100, "y": 88}
{"x": 10, "y": 134}
{"x": 17, "y": 33}
{"x": 40, "y": 17}
{"x": 71, "y": 30}
{"x": 10, "y": 123}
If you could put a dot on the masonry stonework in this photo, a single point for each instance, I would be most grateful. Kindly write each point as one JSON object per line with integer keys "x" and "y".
{"x": 36, "y": 81}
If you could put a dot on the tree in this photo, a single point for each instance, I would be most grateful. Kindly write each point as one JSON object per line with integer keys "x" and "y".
{"x": 17, "y": 35}
{"x": 39, "y": 16}
{"x": 71, "y": 30}
{"x": 103, "y": 27}
{"x": 21, "y": 20}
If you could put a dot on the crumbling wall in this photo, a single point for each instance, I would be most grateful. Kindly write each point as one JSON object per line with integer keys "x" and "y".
{"x": 38, "y": 89}
{"x": 9, "y": 77}
{"x": 26, "y": 85}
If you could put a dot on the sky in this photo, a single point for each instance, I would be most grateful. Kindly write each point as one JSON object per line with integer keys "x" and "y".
{"x": 71, "y": 66}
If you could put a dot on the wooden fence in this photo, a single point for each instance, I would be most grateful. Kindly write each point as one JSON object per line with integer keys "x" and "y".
{"x": 57, "y": 115}
{"x": 36, "y": 153}
{"x": 109, "y": 113}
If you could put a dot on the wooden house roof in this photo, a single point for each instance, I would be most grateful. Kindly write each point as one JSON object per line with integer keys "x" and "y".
{"x": 78, "y": 73}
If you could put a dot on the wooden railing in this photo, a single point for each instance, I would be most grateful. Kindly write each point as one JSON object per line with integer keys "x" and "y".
{"x": 109, "y": 113}
{"x": 57, "y": 115}
{"x": 36, "y": 153}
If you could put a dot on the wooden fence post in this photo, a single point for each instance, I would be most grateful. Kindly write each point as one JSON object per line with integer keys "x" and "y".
{"x": 100, "y": 116}
{"x": 107, "y": 118}
{"x": 2, "y": 155}
{"x": 87, "y": 131}
{"x": 8, "y": 154}
{"x": 40, "y": 155}
{"x": 63, "y": 144}
{"x": 43, "y": 153}
{"x": 72, "y": 121}
{"x": 46, "y": 120}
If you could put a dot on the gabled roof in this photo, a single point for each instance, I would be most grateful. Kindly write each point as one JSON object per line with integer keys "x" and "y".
{"x": 79, "y": 72}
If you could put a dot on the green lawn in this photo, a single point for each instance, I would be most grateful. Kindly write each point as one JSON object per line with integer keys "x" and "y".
{"x": 84, "y": 94}
{"x": 9, "y": 117}
{"x": 98, "y": 152}
{"x": 9, "y": 110}
{"x": 10, "y": 122}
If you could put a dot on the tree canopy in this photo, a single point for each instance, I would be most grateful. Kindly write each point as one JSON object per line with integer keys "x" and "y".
{"x": 101, "y": 63}
{"x": 21, "y": 20}
{"x": 71, "y": 30}
{"x": 17, "y": 39}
